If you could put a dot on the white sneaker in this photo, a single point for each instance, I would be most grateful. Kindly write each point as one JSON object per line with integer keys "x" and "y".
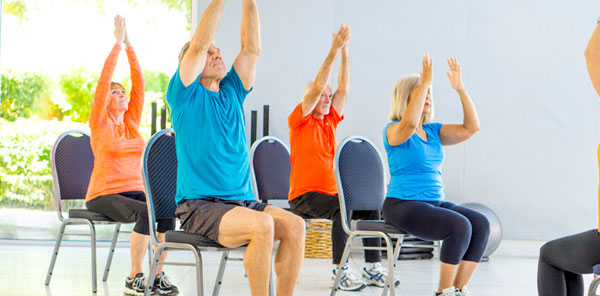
{"x": 463, "y": 292}
{"x": 348, "y": 280}
{"x": 377, "y": 275}
{"x": 450, "y": 291}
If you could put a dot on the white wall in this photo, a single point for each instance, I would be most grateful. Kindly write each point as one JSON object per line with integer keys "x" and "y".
{"x": 534, "y": 160}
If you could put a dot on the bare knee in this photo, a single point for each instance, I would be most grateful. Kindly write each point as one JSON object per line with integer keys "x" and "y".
{"x": 293, "y": 229}
{"x": 262, "y": 228}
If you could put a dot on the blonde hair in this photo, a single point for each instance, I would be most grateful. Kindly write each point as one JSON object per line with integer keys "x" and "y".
{"x": 401, "y": 95}
{"x": 117, "y": 85}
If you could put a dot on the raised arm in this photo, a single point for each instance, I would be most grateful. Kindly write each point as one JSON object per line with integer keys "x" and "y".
{"x": 397, "y": 133}
{"x": 136, "y": 97}
{"x": 245, "y": 62}
{"x": 451, "y": 134}
{"x": 310, "y": 100}
{"x": 194, "y": 59}
{"x": 101, "y": 94}
{"x": 592, "y": 58}
{"x": 339, "y": 98}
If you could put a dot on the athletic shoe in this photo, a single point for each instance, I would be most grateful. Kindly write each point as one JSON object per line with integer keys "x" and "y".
{"x": 348, "y": 280}
{"x": 463, "y": 292}
{"x": 162, "y": 285}
{"x": 451, "y": 291}
{"x": 135, "y": 286}
{"x": 377, "y": 275}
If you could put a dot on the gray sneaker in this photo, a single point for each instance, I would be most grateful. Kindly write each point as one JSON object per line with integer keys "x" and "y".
{"x": 450, "y": 291}
{"x": 135, "y": 286}
{"x": 348, "y": 280}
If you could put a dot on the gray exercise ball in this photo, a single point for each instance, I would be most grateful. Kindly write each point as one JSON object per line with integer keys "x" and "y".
{"x": 495, "y": 227}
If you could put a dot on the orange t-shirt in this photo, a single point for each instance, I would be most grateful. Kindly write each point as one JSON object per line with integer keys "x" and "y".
{"x": 313, "y": 146}
{"x": 117, "y": 148}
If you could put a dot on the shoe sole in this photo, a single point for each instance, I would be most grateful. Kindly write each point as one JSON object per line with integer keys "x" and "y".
{"x": 376, "y": 284}
{"x": 359, "y": 288}
{"x": 131, "y": 292}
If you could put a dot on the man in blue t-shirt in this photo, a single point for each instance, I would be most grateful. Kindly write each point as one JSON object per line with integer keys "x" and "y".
{"x": 214, "y": 193}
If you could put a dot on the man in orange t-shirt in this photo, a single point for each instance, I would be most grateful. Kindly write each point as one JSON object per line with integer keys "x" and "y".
{"x": 313, "y": 191}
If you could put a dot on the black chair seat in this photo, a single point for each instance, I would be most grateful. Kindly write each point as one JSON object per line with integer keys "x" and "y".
{"x": 178, "y": 236}
{"x": 90, "y": 215}
{"x": 376, "y": 225}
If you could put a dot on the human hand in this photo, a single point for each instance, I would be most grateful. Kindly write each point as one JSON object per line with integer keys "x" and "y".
{"x": 454, "y": 75}
{"x": 120, "y": 31}
{"x": 127, "y": 41}
{"x": 427, "y": 72}
{"x": 340, "y": 39}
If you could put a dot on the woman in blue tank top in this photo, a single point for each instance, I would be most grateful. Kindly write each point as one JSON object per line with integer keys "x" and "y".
{"x": 415, "y": 198}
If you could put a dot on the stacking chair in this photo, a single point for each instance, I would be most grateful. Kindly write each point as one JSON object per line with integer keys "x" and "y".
{"x": 360, "y": 178}
{"x": 270, "y": 168}
{"x": 72, "y": 162}
{"x": 159, "y": 170}
{"x": 595, "y": 282}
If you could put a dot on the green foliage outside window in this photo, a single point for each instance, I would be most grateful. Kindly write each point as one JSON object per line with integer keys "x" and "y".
{"x": 78, "y": 87}
{"x": 22, "y": 94}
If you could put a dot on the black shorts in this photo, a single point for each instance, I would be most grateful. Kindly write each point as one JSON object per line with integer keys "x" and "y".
{"x": 203, "y": 216}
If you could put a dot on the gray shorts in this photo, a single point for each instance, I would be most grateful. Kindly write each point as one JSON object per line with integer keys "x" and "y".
{"x": 203, "y": 216}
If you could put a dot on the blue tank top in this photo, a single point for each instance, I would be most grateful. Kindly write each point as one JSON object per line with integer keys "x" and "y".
{"x": 416, "y": 166}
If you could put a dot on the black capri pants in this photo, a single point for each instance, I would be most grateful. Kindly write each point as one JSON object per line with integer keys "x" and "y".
{"x": 464, "y": 232}
{"x": 563, "y": 261}
{"x": 128, "y": 207}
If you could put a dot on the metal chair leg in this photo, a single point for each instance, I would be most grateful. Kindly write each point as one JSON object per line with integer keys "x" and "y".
{"x": 153, "y": 267}
{"x": 93, "y": 243}
{"x": 59, "y": 238}
{"x": 199, "y": 277}
{"x": 111, "y": 252}
{"x": 338, "y": 271}
{"x": 220, "y": 273}
{"x": 389, "y": 283}
{"x": 271, "y": 286}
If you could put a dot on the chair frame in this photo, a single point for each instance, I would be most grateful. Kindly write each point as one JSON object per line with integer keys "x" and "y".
{"x": 77, "y": 221}
{"x": 171, "y": 246}
{"x": 350, "y": 227}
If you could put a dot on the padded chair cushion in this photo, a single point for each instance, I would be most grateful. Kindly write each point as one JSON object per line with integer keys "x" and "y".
{"x": 90, "y": 215}
{"x": 375, "y": 225}
{"x": 178, "y": 236}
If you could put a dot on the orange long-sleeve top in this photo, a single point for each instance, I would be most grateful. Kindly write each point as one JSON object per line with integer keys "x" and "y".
{"x": 117, "y": 148}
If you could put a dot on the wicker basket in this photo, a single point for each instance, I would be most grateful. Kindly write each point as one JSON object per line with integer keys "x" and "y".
{"x": 318, "y": 239}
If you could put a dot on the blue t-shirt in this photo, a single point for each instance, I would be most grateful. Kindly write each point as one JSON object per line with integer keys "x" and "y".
{"x": 212, "y": 152}
{"x": 416, "y": 166}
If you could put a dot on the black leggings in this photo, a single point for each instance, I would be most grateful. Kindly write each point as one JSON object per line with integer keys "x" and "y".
{"x": 464, "y": 232}
{"x": 321, "y": 205}
{"x": 563, "y": 260}
{"x": 128, "y": 207}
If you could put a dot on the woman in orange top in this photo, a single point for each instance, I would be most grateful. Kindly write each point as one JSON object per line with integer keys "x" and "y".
{"x": 116, "y": 188}
{"x": 563, "y": 261}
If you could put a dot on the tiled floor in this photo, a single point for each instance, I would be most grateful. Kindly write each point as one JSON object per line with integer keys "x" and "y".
{"x": 511, "y": 271}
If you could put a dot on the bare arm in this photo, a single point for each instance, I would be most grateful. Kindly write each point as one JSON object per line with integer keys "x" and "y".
{"x": 245, "y": 62}
{"x": 451, "y": 134}
{"x": 397, "y": 133}
{"x": 310, "y": 100}
{"x": 194, "y": 60}
{"x": 339, "y": 98}
{"x": 592, "y": 58}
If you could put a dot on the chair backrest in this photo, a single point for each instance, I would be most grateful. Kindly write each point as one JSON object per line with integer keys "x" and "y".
{"x": 270, "y": 168}
{"x": 159, "y": 169}
{"x": 72, "y": 162}
{"x": 359, "y": 175}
